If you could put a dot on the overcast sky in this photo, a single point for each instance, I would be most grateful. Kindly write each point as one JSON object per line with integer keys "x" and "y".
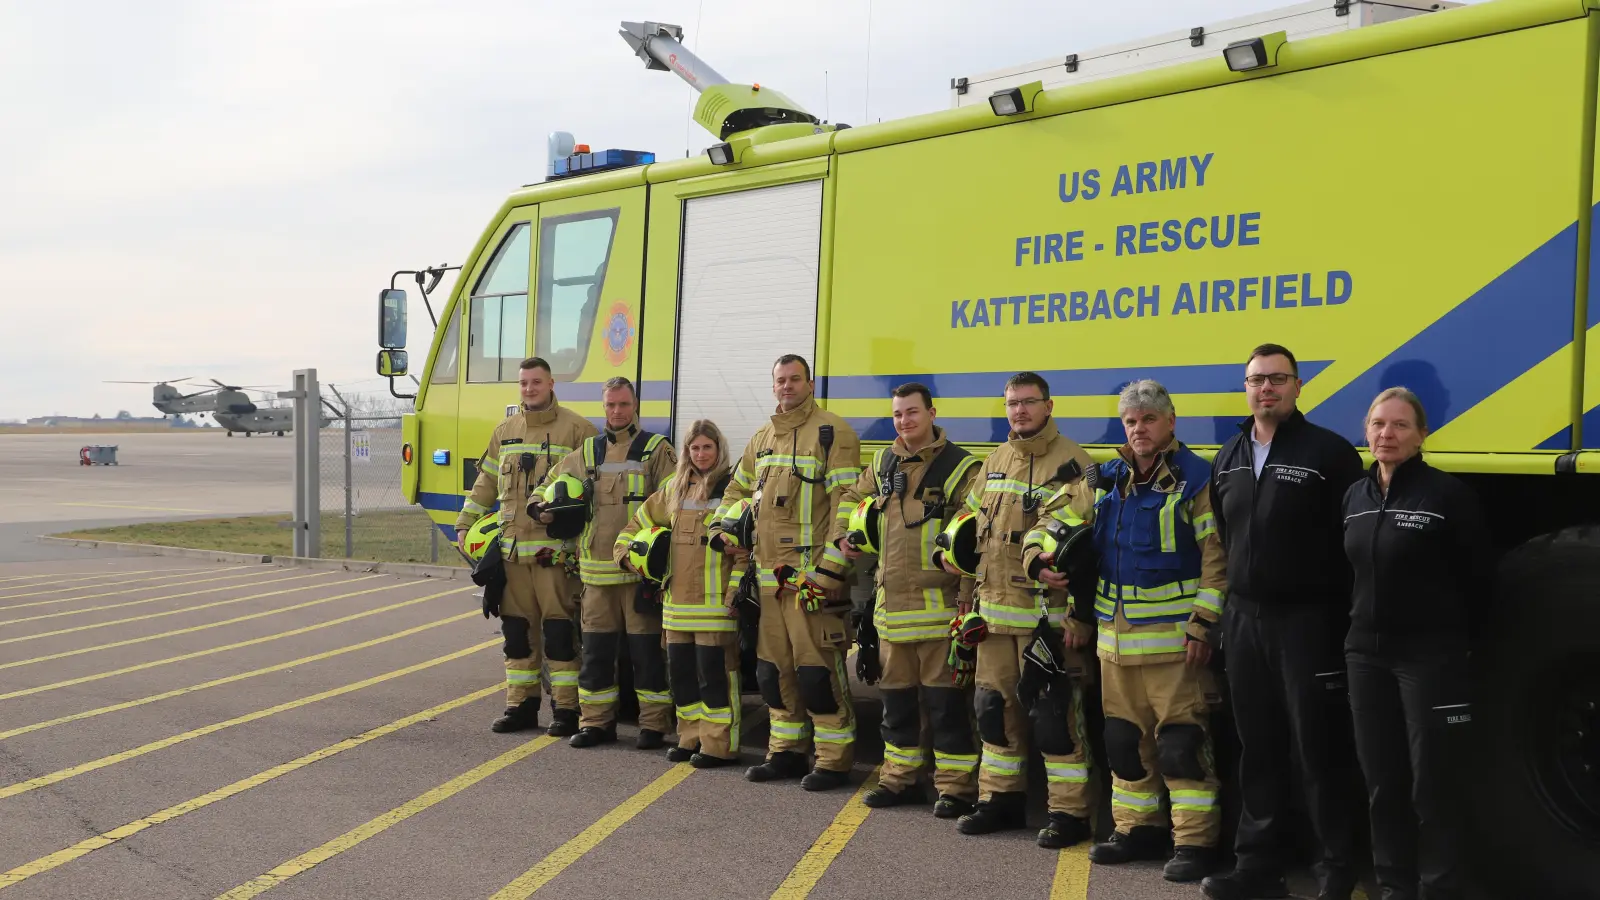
{"x": 220, "y": 189}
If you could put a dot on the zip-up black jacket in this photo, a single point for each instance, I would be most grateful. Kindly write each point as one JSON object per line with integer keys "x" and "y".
{"x": 1422, "y": 556}
{"x": 1283, "y": 533}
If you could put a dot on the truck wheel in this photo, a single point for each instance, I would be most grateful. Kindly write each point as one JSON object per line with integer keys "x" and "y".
{"x": 1536, "y": 780}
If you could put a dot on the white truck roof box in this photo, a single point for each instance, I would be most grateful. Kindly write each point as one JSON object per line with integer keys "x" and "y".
{"x": 1300, "y": 21}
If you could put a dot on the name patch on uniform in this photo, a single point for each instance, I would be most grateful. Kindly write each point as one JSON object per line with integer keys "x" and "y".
{"x": 996, "y": 476}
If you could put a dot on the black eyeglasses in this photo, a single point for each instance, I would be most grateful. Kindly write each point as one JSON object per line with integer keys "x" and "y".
{"x": 1277, "y": 378}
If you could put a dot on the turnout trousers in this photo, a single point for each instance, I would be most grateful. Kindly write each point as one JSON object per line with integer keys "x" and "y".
{"x": 1056, "y": 727}
{"x": 1285, "y": 680}
{"x": 541, "y": 638}
{"x": 703, "y": 667}
{"x": 1412, "y": 715}
{"x": 1158, "y": 736}
{"x": 609, "y": 617}
{"x": 943, "y": 710}
{"x": 800, "y": 670}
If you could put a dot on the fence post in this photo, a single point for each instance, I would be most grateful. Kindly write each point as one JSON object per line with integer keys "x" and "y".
{"x": 307, "y": 463}
{"x": 349, "y": 486}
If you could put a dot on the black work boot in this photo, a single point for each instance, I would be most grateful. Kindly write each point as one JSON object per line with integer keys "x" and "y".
{"x": 1189, "y": 864}
{"x": 1243, "y": 884}
{"x": 1338, "y": 884}
{"x": 707, "y": 761}
{"x": 948, "y": 807}
{"x": 1064, "y": 830}
{"x": 590, "y": 736}
{"x": 650, "y": 739}
{"x": 822, "y": 779}
{"x": 679, "y": 754}
{"x": 882, "y": 797}
{"x": 1141, "y": 842}
{"x": 564, "y": 723}
{"x": 1000, "y": 812}
{"x": 783, "y": 764}
{"x": 518, "y": 718}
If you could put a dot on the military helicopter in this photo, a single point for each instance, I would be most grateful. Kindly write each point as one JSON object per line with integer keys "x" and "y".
{"x": 172, "y": 402}
{"x": 235, "y": 411}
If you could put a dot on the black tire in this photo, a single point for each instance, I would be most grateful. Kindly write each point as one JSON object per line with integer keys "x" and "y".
{"x": 1536, "y": 778}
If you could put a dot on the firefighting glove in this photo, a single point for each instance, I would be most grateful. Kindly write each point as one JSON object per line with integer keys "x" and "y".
{"x": 1043, "y": 664}
{"x": 963, "y": 662}
{"x": 647, "y": 599}
{"x": 869, "y": 667}
{"x": 967, "y": 631}
{"x": 491, "y": 601}
{"x": 809, "y": 595}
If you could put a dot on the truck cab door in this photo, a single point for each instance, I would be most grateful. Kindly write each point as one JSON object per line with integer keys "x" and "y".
{"x": 494, "y": 316}
{"x": 589, "y": 305}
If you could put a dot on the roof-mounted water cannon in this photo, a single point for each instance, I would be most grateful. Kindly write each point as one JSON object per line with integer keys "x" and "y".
{"x": 725, "y": 109}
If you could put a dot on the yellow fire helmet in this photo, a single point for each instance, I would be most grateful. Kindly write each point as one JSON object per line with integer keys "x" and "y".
{"x": 650, "y": 554}
{"x": 866, "y": 527}
{"x": 739, "y": 525}
{"x": 483, "y": 532}
{"x": 959, "y": 542}
{"x": 567, "y": 500}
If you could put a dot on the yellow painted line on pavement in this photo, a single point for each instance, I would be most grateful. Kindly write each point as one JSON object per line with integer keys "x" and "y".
{"x": 235, "y": 646}
{"x": 64, "y": 577}
{"x": 305, "y": 861}
{"x": 212, "y": 590}
{"x": 589, "y": 838}
{"x": 217, "y": 682}
{"x": 82, "y": 848}
{"x": 56, "y": 777}
{"x": 149, "y": 508}
{"x": 1072, "y": 873}
{"x": 811, "y": 867}
{"x": 96, "y": 648}
{"x": 234, "y": 572}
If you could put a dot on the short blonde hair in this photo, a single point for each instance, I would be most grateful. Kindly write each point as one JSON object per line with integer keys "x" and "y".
{"x": 1398, "y": 393}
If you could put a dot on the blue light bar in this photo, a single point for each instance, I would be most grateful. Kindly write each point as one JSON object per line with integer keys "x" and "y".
{"x": 601, "y": 161}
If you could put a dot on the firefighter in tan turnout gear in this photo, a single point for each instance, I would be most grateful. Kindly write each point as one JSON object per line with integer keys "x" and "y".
{"x": 1163, "y": 575}
{"x": 791, "y": 481}
{"x": 1028, "y": 682}
{"x": 899, "y": 505}
{"x": 701, "y": 628}
{"x": 618, "y": 470}
{"x": 538, "y": 606}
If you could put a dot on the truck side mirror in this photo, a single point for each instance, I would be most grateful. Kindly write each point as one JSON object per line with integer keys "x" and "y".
{"x": 392, "y": 320}
{"x": 392, "y": 363}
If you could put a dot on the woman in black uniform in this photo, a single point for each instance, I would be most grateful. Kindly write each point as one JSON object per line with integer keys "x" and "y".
{"x": 1420, "y": 549}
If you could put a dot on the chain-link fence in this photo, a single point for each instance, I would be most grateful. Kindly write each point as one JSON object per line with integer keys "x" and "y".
{"x": 364, "y": 514}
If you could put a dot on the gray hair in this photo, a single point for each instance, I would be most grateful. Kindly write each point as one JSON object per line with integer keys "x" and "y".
{"x": 1399, "y": 393}
{"x": 1145, "y": 393}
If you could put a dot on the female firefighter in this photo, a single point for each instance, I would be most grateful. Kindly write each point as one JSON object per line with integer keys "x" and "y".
{"x": 1421, "y": 553}
{"x": 666, "y": 544}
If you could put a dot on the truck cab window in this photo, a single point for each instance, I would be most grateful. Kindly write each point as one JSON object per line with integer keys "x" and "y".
{"x": 498, "y": 331}
{"x": 444, "y": 365}
{"x": 573, "y": 252}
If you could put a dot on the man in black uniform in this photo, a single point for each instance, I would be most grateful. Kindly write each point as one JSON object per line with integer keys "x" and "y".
{"x": 1277, "y": 491}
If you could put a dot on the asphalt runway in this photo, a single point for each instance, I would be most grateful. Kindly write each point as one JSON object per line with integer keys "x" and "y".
{"x": 185, "y": 474}
{"x": 172, "y": 728}
{"x": 175, "y": 728}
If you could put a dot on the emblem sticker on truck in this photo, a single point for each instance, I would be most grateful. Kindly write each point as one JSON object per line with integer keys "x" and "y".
{"x": 620, "y": 332}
